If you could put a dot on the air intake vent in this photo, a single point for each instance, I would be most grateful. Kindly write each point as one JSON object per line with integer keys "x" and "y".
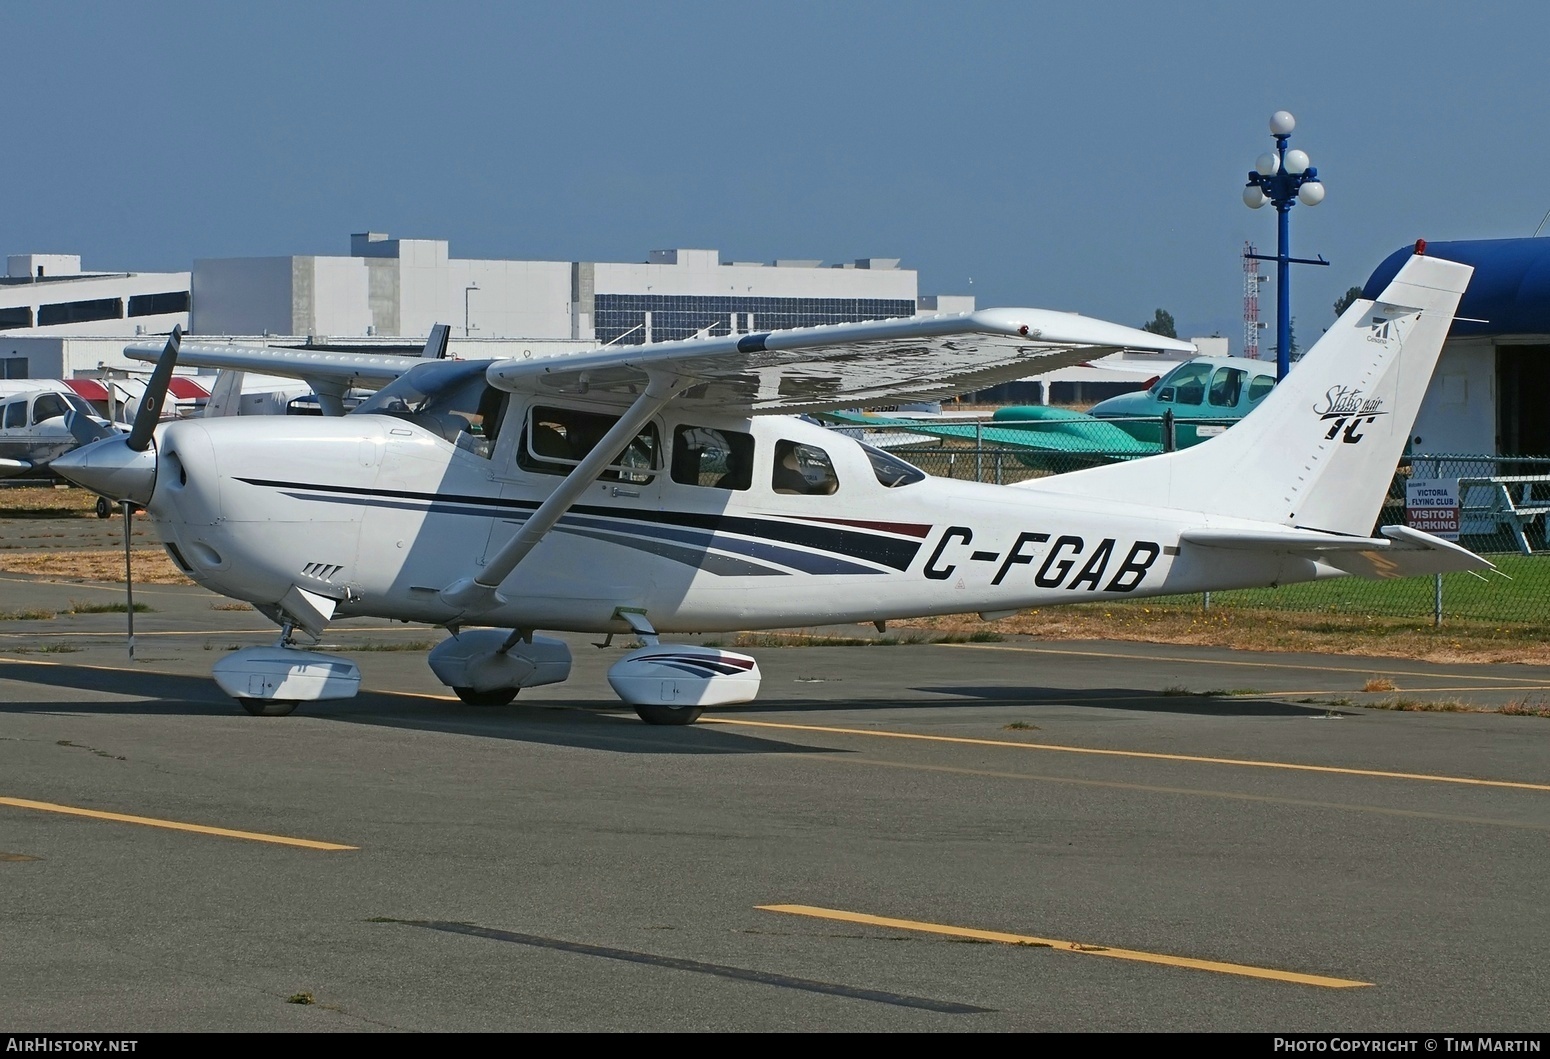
{"x": 321, "y": 571}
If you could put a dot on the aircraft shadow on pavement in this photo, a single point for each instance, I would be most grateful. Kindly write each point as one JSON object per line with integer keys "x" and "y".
{"x": 1135, "y": 699}
{"x": 607, "y": 726}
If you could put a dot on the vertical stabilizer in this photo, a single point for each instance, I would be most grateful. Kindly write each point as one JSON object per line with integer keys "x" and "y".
{"x": 1319, "y": 453}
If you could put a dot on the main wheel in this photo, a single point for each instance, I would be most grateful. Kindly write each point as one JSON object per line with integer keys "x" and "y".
{"x": 104, "y": 509}
{"x": 495, "y": 697}
{"x": 669, "y": 714}
{"x": 269, "y": 707}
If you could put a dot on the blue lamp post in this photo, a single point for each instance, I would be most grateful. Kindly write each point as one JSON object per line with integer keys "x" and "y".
{"x": 1283, "y": 178}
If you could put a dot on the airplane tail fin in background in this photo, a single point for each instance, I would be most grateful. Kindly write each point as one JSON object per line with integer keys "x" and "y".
{"x": 1320, "y": 451}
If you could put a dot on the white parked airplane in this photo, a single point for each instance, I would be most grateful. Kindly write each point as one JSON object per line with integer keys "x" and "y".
{"x": 32, "y": 427}
{"x": 669, "y": 488}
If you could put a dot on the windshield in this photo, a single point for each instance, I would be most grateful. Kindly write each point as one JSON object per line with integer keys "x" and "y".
{"x": 429, "y": 388}
{"x": 447, "y": 397}
{"x": 890, "y": 470}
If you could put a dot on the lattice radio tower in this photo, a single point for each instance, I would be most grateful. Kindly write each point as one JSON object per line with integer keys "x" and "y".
{"x": 1251, "y": 281}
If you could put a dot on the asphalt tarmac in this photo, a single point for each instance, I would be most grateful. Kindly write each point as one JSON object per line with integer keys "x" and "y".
{"x": 1017, "y": 836}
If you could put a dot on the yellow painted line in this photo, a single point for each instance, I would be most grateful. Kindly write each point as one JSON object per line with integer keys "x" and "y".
{"x": 1369, "y": 670}
{"x": 1194, "y": 792}
{"x": 173, "y": 825}
{"x": 1148, "y": 755}
{"x": 1246, "y": 970}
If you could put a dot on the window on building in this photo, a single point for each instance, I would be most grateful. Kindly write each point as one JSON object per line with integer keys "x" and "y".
{"x": 13, "y": 368}
{"x": 555, "y": 440}
{"x": 80, "y": 312}
{"x": 719, "y": 459}
{"x": 15, "y": 316}
{"x": 159, "y": 304}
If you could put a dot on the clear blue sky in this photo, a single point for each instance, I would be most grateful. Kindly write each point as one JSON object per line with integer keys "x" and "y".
{"x": 1086, "y": 157}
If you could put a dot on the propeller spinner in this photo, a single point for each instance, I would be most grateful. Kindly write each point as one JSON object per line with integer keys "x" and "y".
{"x": 121, "y": 468}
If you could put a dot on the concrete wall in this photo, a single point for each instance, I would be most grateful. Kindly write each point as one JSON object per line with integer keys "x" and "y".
{"x": 1458, "y": 413}
{"x": 242, "y": 296}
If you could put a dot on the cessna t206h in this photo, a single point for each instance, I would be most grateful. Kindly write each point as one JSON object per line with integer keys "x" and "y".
{"x": 674, "y": 488}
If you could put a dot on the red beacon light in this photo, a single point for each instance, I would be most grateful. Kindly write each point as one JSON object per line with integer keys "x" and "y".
{"x": 1420, "y": 247}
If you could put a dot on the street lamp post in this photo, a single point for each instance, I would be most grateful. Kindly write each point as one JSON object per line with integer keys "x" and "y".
{"x": 1283, "y": 178}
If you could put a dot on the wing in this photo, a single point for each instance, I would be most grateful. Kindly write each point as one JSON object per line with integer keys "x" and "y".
{"x": 342, "y": 370}
{"x": 811, "y": 369}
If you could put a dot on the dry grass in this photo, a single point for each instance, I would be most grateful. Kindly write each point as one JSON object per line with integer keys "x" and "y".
{"x": 43, "y": 500}
{"x": 1380, "y": 684}
{"x": 152, "y": 567}
{"x": 1265, "y": 630}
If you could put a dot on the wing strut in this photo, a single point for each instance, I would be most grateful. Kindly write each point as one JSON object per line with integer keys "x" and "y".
{"x": 472, "y": 594}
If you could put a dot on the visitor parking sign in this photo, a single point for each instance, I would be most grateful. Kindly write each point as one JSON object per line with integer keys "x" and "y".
{"x": 1432, "y": 504}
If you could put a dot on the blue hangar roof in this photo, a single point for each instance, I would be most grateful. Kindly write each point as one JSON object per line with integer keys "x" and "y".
{"x": 1510, "y": 289}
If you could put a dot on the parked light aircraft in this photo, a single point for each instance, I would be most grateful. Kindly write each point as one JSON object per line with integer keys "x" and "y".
{"x": 1205, "y": 395}
{"x": 33, "y": 431}
{"x": 634, "y": 490}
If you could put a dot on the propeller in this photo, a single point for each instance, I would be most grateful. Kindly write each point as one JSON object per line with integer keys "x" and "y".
{"x": 149, "y": 412}
{"x": 146, "y": 418}
{"x": 129, "y": 579}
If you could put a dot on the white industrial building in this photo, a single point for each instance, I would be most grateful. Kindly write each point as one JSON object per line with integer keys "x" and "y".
{"x": 388, "y": 293}
{"x": 56, "y": 319}
{"x": 401, "y": 287}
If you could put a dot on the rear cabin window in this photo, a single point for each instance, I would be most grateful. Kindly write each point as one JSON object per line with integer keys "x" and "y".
{"x": 16, "y": 414}
{"x": 711, "y": 457}
{"x": 554, "y": 440}
{"x": 1261, "y": 385}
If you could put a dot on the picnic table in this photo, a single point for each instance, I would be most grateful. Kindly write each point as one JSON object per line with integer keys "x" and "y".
{"x": 1510, "y": 500}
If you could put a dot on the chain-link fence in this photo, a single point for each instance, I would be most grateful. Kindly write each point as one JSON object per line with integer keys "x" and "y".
{"x": 1504, "y": 504}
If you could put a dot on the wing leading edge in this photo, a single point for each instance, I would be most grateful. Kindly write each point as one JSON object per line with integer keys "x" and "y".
{"x": 812, "y": 369}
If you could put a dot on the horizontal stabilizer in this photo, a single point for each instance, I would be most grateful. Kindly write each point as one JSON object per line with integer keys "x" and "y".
{"x": 1400, "y": 552}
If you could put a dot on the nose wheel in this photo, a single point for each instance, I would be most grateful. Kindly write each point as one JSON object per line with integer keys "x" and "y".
{"x": 269, "y": 707}
{"x": 496, "y": 697}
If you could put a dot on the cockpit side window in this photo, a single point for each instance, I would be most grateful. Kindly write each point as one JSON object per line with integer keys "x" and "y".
{"x": 48, "y": 406}
{"x": 802, "y": 468}
{"x": 1227, "y": 387}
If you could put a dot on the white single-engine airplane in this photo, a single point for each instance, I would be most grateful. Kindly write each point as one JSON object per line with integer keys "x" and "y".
{"x": 671, "y": 488}
{"x": 33, "y": 431}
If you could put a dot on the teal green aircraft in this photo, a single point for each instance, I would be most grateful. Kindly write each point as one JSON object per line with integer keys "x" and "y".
{"x": 1206, "y": 395}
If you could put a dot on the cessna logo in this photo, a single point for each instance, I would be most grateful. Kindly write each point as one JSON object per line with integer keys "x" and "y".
{"x": 1345, "y": 409}
{"x": 1380, "y": 330}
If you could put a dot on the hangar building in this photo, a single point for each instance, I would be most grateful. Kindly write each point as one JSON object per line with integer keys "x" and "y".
{"x": 1492, "y": 384}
